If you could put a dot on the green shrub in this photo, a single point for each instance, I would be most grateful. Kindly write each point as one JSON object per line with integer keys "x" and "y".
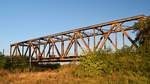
{"x": 18, "y": 62}
{"x": 95, "y": 63}
{"x": 105, "y": 62}
{"x": 2, "y": 61}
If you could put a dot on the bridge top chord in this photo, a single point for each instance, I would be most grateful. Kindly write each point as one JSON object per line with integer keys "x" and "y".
{"x": 44, "y": 38}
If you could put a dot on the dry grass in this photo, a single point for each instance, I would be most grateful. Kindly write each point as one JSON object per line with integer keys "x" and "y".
{"x": 62, "y": 75}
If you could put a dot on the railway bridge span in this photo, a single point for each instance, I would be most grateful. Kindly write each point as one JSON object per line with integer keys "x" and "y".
{"x": 67, "y": 46}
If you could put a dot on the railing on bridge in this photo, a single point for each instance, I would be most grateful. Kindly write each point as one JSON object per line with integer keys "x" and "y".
{"x": 59, "y": 47}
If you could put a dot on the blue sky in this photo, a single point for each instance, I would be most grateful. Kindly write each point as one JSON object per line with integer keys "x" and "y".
{"x": 26, "y": 19}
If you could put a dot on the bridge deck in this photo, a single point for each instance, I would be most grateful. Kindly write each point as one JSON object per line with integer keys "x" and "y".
{"x": 57, "y": 59}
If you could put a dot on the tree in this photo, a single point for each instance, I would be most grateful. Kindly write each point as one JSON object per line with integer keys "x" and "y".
{"x": 143, "y": 38}
{"x": 1, "y": 54}
{"x": 2, "y": 60}
{"x": 143, "y": 34}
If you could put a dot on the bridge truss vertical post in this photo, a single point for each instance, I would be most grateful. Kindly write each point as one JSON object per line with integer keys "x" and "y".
{"x": 30, "y": 57}
{"x": 62, "y": 47}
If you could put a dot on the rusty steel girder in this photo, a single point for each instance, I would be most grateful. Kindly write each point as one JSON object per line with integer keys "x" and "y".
{"x": 57, "y": 47}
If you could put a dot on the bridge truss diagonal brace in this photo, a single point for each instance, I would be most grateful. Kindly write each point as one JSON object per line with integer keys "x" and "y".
{"x": 103, "y": 36}
{"x": 53, "y": 43}
{"x": 84, "y": 42}
{"x": 70, "y": 44}
{"x": 107, "y": 35}
{"x": 126, "y": 34}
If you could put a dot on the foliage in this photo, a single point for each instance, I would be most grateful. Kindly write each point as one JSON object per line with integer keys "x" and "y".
{"x": 122, "y": 63}
{"x": 1, "y": 53}
{"x": 18, "y": 62}
{"x": 93, "y": 63}
{"x": 143, "y": 28}
{"x": 2, "y": 61}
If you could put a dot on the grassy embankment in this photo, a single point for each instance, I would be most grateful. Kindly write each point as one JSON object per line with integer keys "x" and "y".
{"x": 100, "y": 67}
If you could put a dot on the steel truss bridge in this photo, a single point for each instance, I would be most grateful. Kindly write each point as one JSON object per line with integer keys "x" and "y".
{"x": 67, "y": 46}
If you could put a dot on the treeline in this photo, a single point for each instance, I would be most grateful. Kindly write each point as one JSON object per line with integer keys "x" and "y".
{"x": 21, "y": 64}
{"x": 18, "y": 62}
